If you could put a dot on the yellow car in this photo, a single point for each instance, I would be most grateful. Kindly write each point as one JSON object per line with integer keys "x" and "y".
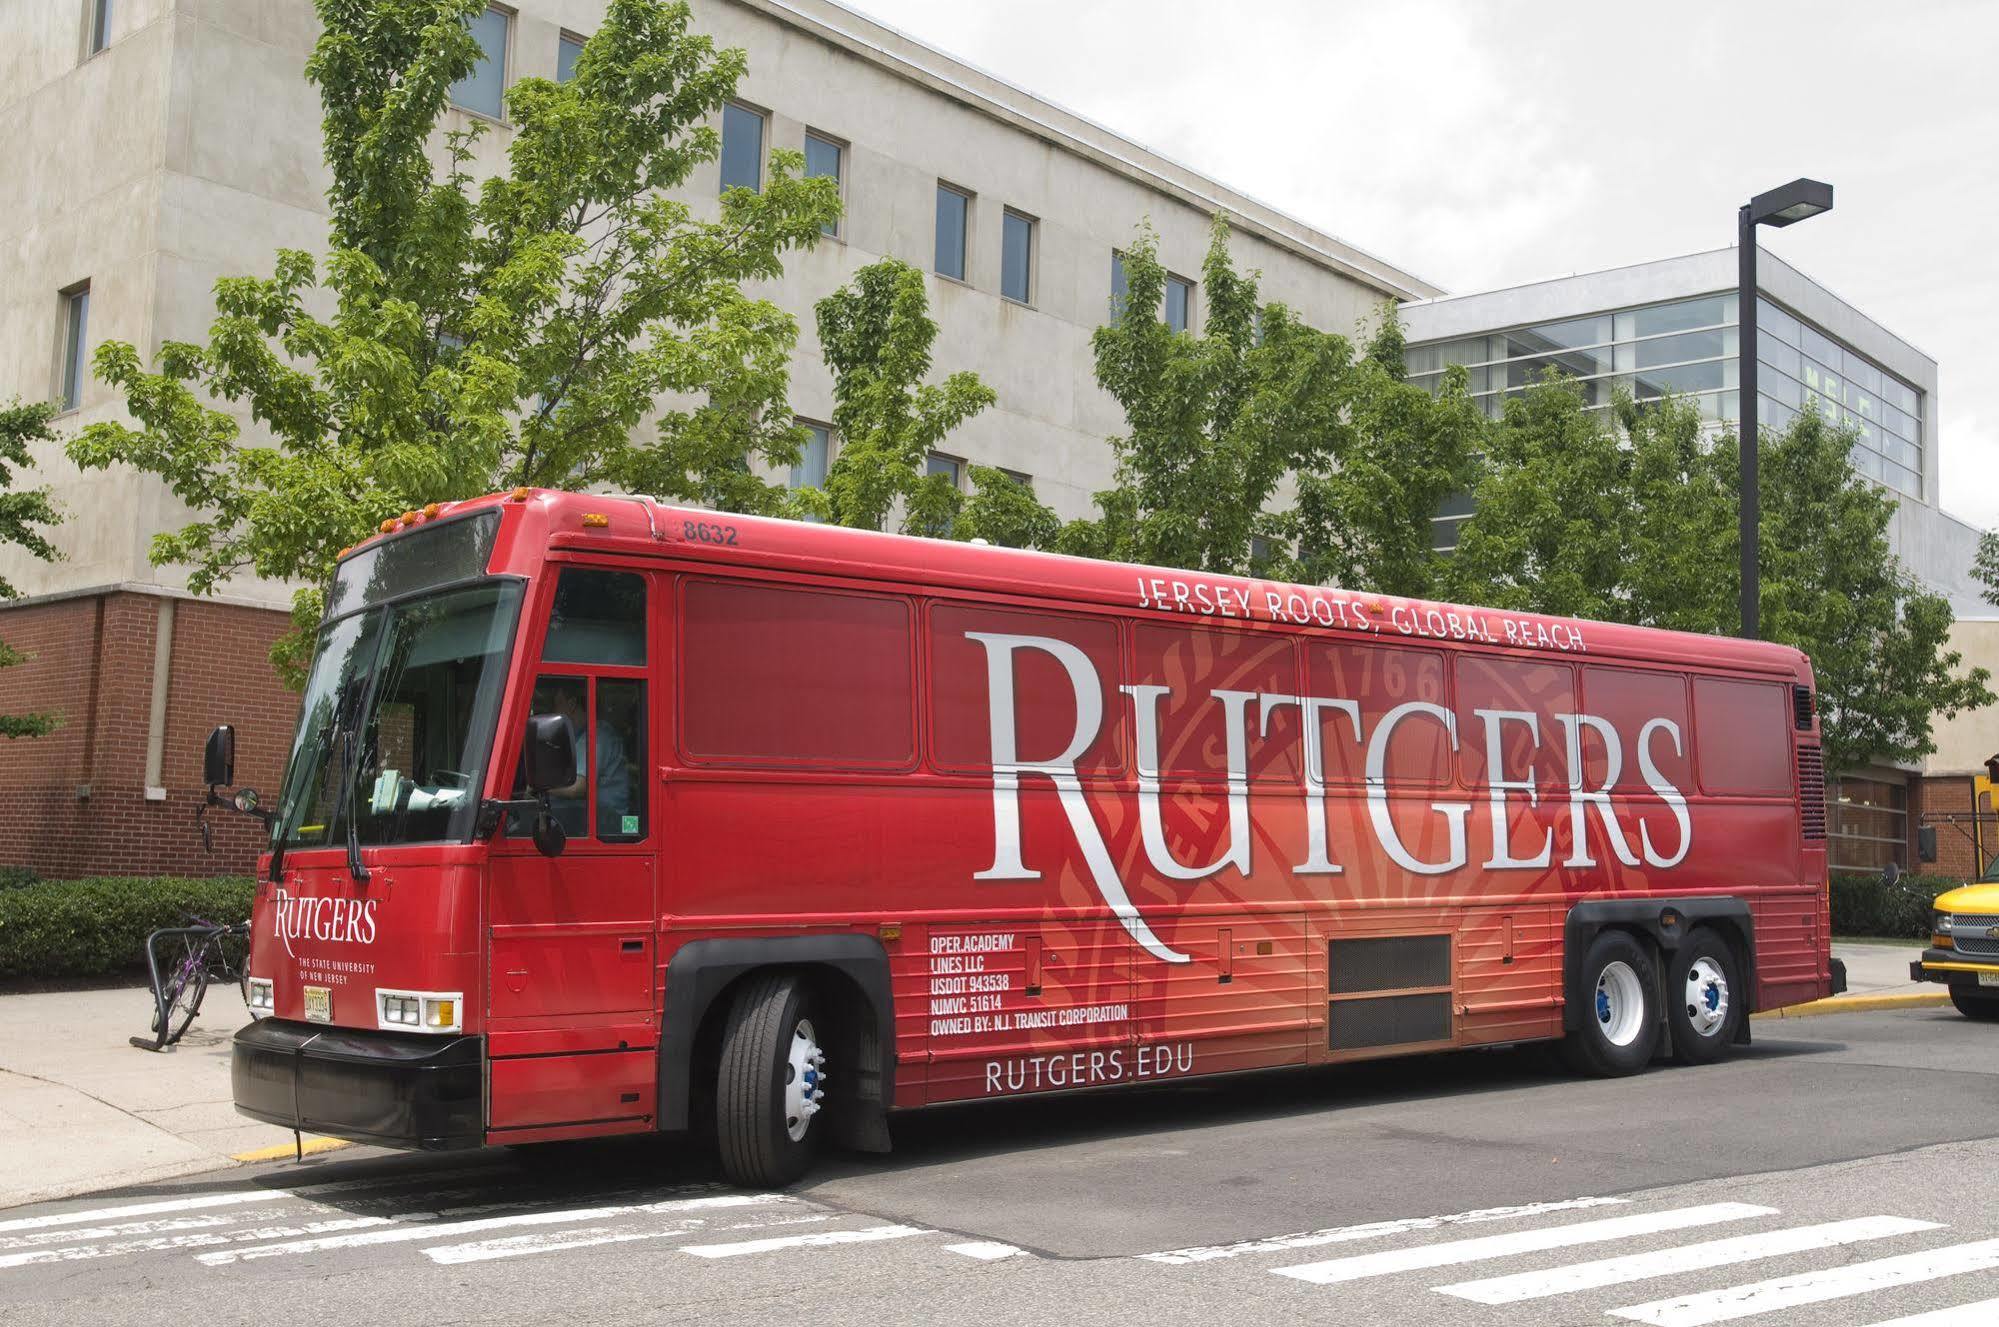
{"x": 1964, "y": 951}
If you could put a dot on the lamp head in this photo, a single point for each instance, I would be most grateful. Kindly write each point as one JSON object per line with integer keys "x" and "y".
{"x": 1789, "y": 203}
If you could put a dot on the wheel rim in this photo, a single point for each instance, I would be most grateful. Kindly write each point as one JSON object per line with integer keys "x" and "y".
{"x": 1707, "y": 997}
{"x": 1620, "y": 1003}
{"x": 804, "y": 1080}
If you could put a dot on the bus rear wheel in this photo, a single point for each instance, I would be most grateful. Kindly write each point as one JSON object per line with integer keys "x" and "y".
{"x": 1703, "y": 998}
{"x": 770, "y": 1084}
{"x": 1984, "y": 1008}
{"x": 1619, "y": 1020}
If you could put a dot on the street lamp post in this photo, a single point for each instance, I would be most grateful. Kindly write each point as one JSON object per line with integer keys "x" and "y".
{"x": 1777, "y": 207}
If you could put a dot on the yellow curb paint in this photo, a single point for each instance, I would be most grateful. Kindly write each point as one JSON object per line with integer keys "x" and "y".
{"x": 283, "y": 1150}
{"x": 1859, "y": 1004}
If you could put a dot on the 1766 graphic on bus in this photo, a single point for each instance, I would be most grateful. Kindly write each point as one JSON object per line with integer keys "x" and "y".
{"x": 607, "y": 817}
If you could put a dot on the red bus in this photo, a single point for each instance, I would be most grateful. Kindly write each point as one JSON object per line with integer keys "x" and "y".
{"x": 608, "y": 817}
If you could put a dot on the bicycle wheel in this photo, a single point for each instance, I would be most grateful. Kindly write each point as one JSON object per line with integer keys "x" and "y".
{"x": 183, "y": 1000}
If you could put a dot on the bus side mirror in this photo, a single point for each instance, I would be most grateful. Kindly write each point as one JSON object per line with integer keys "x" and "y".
{"x": 550, "y": 754}
{"x": 218, "y": 762}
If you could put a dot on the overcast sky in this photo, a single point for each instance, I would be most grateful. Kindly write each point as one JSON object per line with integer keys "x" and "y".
{"x": 1488, "y": 144}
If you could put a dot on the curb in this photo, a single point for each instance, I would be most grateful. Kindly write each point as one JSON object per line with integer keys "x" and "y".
{"x": 280, "y": 1152}
{"x": 1859, "y": 1004}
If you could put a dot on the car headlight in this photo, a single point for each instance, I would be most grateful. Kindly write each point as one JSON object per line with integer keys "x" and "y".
{"x": 261, "y": 997}
{"x": 419, "y": 1011}
{"x": 1940, "y": 928}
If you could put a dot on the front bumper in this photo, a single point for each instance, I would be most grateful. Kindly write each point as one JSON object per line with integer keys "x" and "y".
{"x": 372, "y": 1087}
{"x": 1949, "y": 967}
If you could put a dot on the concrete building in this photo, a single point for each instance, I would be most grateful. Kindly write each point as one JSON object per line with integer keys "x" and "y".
{"x": 153, "y": 146}
{"x": 1671, "y": 326}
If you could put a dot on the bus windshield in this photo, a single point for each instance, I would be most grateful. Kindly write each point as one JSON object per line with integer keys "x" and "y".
{"x": 397, "y": 720}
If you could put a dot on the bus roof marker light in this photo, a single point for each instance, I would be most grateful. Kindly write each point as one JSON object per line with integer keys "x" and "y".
{"x": 520, "y": 494}
{"x": 388, "y": 526}
{"x": 431, "y": 509}
{"x": 595, "y": 520}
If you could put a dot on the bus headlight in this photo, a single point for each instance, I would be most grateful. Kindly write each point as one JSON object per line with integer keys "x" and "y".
{"x": 260, "y": 997}
{"x": 419, "y": 1011}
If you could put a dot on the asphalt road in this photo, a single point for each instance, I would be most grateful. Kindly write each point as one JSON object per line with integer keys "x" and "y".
{"x": 1839, "y": 1172}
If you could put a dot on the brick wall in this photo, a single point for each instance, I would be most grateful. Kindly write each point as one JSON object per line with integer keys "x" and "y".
{"x": 74, "y": 802}
{"x": 1951, "y": 795}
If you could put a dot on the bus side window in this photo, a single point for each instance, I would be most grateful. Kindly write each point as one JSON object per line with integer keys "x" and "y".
{"x": 619, "y": 742}
{"x": 599, "y": 617}
{"x": 570, "y": 698}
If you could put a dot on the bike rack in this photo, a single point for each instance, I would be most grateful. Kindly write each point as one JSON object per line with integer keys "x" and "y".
{"x": 159, "y": 1041}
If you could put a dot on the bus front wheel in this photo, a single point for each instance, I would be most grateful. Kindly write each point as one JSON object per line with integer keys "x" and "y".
{"x": 1619, "y": 1019}
{"x": 770, "y": 1084}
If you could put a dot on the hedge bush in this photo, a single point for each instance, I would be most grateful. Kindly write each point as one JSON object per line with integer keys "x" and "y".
{"x": 98, "y": 927}
{"x": 13, "y": 877}
{"x": 1863, "y": 905}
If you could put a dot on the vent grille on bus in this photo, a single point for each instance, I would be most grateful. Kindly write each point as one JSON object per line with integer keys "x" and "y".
{"x": 1801, "y": 706}
{"x": 1389, "y": 963}
{"x": 1811, "y": 790}
{"x": 1389, "y": 1020}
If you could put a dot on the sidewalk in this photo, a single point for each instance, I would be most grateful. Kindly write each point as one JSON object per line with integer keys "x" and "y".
{"x": 80, "y": 1109}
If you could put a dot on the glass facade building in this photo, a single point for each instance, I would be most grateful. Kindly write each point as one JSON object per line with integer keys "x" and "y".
{"x": 1689, "y": 347}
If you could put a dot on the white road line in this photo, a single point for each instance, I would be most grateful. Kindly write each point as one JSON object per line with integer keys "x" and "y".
{"x": 1373, "y": 1230}
{"x": 407, "y": 1233}
{"x": 520, "y": 1246}
{"x": 1815, "y": 1287}
{"x": 195, "y": 1204}
{"x": 1519, "y": 1241}
{"x": 1686, "y": 1258}
{"x": 864, "y": 1236}
{"x": 165, "y": 1243}
{"x": 1982, "y": 1314}
{"x": 986, "y": 1250}
{"x": 161, "y": 1227}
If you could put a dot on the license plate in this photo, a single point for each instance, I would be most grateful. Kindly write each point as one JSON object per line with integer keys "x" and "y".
{"x": 1988, "y": 979}
{"x": 318, "y": 1004}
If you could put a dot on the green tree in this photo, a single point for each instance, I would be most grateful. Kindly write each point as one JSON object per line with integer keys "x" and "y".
{"x": 1986, "y": 568}
{"x": 461, "y": 336}
{"x": 877, "y": 335}
{"x": 24, "y": 514}
{"x": 1632, "y": 518}
{"x": 1877, "y": 640}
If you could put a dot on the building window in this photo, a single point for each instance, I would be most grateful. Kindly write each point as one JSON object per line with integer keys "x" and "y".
{"x": 1020, "y": 477}
{"x": 76, "y": 320}
{"x": 953, "y": 469}
{"x": 824, "y": 157}
{"x": 567, "y": 48}
{"x": 99, "y": 18}
{"x": 954, "y": 208}
{"x": 1867, "y": 824}
{"x": 742, "y": 148}
{"x": 1179, "y": 302}
{"x": 1119, "y": 289}
{"x": 1017, "y": 257}
{"x": 810, "y": 469}
{"x": 483, "y": 91}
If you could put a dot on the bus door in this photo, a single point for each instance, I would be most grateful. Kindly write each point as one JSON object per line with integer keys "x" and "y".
{"x": 571, "y": 1027}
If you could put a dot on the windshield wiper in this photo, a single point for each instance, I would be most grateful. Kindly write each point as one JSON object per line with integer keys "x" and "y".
{"x": 348, "y": 771}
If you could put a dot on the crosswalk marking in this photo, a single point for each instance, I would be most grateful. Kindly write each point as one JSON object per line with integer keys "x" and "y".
{"x": 70, "y": 1234}
{"x": 560, "y": 1241}
{"x": 1372, "y": 1230}
{"x": 435, "y": 1230}
{"x": 1815, "y": 1287}
{"x": 1521, "y": 1241}
{"x": 863, "y": 1236}
{"x": 1687, "y": 1258}
{"x": 167, "y": 1243}
{"x": 985, "y": 1250}
{"x": 1982, "y": 1314}
{"x": 195, "y": 1204}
